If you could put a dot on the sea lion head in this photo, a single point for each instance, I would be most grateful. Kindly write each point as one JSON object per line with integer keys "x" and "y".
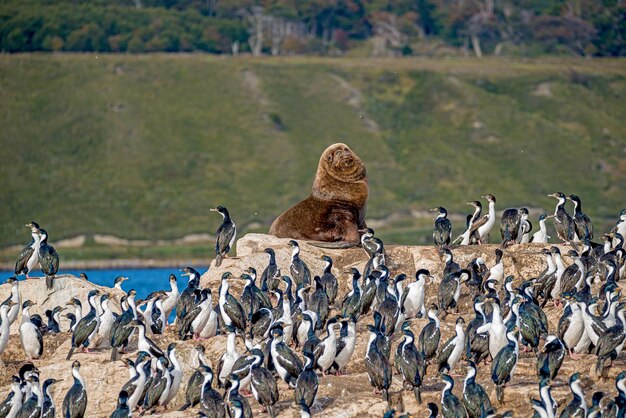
{"x": 341, "y": 176}
{"x": 342, "y": 164}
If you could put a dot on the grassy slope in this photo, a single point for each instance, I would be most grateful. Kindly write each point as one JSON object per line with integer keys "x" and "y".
{"x": 142, "y": 146}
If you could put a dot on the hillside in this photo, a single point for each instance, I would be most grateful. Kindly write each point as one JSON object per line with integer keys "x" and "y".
{"x": 142, "y": 146}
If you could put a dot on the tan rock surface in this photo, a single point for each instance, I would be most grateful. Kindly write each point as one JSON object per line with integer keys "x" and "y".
{"x": 338, "y": 396}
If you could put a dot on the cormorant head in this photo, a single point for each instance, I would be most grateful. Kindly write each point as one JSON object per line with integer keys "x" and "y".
{"x": 475, "y": 203}
{"x": 355, "y": 273}
{"x": 220, "y": 209}
{"x": 83, "y": 276}
{"x": 188, "y": 271}
{"x": 173, "y": 278}
{"x": 523, "y": 211}
{"x": 440, "y": 210}
{"x": 226, "y": 275}
{"x": 270, "y": 251}
{"x": 574, "y": 199}
{"x": 489, "y": 197}
{"x": 293, "y": 243}
{"x": 433, "y": 408}
{"x": 367, "y": 232}
{"x": 572, "y": 253}
{"x": 555, "y": 250}
{"x": 12, "y": 280}
{"x": 122, "y": 397}
{"x": 446, "y": 378}
{"x": 93, "y": 293}
{"x": 622, "y": 213}
{"x": 574, "y": 377}
{"x": 327, "y": 259}
{"x": 142, "y": 356}
{"x": 251, "y": 271}
{"x": 171, "y": 347}
{"x": 76, "y": 365}
{"x": 543, "y": 216}
{"x": 557, "y": 195}
{"x": 246, "y": 277}
{"x": 460, "y": 321}
{"x": 422, "y": 273}
{"x": 400, "y": 277}
{"x": 28, "y": 304}
{"x": 120, "y": 279}
{"x": 132, "y": 292}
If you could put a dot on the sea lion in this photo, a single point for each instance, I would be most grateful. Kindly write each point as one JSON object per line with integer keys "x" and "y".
{"x": 335, "y": 210}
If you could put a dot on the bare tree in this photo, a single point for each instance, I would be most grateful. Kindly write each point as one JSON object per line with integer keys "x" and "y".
{"x": 254, "y": 17}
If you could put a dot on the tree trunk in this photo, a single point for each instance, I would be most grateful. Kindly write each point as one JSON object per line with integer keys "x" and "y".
{"x": 476, "y": 45}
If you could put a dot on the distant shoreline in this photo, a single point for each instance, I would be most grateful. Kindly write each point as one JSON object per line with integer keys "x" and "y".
{"x": 119, "y": 264}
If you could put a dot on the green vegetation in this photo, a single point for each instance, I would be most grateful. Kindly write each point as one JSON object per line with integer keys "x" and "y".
{"x": 317, "y": 27}
{"x": 142, "y": 146}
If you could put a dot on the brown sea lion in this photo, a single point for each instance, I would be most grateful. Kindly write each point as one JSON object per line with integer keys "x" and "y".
{"x": 335, "y": 210}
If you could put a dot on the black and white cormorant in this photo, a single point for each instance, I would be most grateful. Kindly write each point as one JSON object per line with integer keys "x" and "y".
{"x": 299, "y": 270}
{"x": 30, "y": 335}
{"x": 319, "y": 303}
{"x": 412, "y": 302}
{"x": 442, "y": 229}
{"x": 452, "y": 349}
{"x": 451, "y": 406}
{"x": 224, "y": 236}
{"x": 286, "y": 361}
{"x": 136, "y": 385}
{"x": 307, "y": 382}
{"x": 481, "y": 227}
{"x": 371, "y": 244}
{"x": 431, "y": 334}
{"x": 504, "y": 365}
{"x": 75, "y": 401}
{"x": 122, "y": 410}
{"x": 410, "y": 363}
{"x": 48, "y": 258}
{"x": 450, "y": 290}
{"x": 345, "y": 344}
{"x": 541, "y": 236}
{"x": 232, "y": 395}
{"x": 29, "y": 256}
{"x": 509, "y": 227}
{"x": 611, "y": 342}
{"x": 211, "y": 402}
{"x": 193, "y": 391}
{"x": 230, "y": 308}
{"x": 264, "y": 386}
{"x": 328, "y": 280}
{"x": 32, "y": 406}
{"x": 475, "y": 399}
{"x": 48, "y": 410}
{"x": 563, "y": 222}
{"x": 13, "y": 402}
{"x": 159, "y": 387}
{"x": 582, "y": 223}
{"x": 351, "y": 304}
{"x": 578, "y": 406}
{"x": 121, "y": 329}
{"x": 271, "y": 271}
{"x": 377, "y": 364}
{"x": 550, "y": 358}
{"x": 87, "y": 326}
{"x": 188, "y": 297}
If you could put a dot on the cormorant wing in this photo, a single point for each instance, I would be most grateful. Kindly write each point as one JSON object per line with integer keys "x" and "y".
{"x": 289, "y": 360}
{"x": 23, "y": 258}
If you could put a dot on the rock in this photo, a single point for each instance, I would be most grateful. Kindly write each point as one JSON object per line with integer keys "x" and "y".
{"x": 346, "y": 396}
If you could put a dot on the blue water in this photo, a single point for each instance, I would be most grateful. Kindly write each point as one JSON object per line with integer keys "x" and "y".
{"x": 143, "y": 281}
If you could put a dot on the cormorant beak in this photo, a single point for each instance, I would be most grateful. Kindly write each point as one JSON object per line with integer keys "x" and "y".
{"x": 213, "y": 209}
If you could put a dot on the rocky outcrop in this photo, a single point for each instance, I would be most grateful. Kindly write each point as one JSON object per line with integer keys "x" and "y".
{"x": 339, "y": 396}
